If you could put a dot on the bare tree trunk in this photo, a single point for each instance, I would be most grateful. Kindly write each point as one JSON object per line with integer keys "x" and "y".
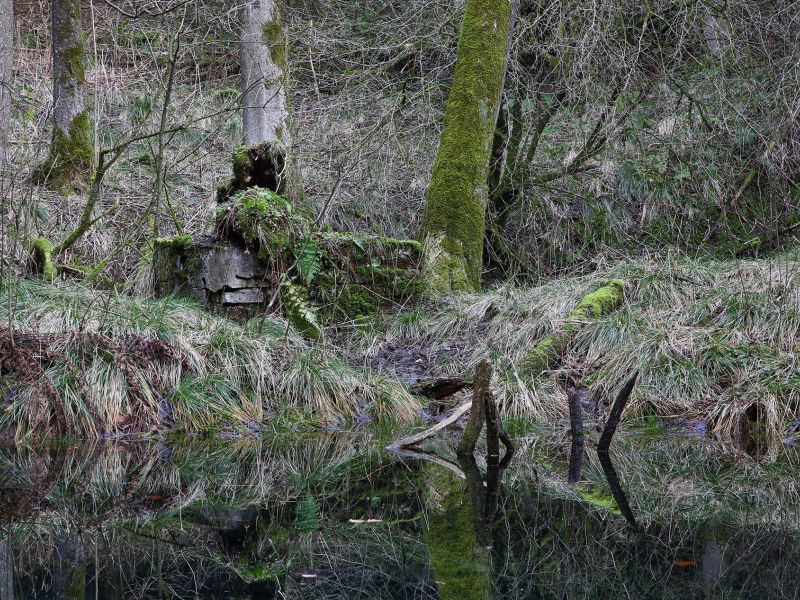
{"x": 69, "y": 164}
{"x": 6, "y": 54}
{"x": 454, "y": 220}
{"x": 266, "y": 116}
{"x": 6, "y": 567}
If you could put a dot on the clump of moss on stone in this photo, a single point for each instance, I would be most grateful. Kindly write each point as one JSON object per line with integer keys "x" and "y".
{"x": 177, "y": 242}
{"x": 546, "y": 354}
{"x": 361, "y": 274}
{"x": 264, "y": 221}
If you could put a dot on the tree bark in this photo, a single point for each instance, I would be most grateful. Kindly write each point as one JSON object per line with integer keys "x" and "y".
{"x": 493, "y": 426}
{"x": 6, "y": 55}
{"x": 615, "y": 415}
{"x": 266, "y": 115}
{"x": 69, "y": 165}
{"x": 576, "y": 426}
{"x": 453, "y": 223}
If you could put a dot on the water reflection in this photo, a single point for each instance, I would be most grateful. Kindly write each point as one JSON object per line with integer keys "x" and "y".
{"x": 337, "y": 517}
{"x": 616, "y": 489}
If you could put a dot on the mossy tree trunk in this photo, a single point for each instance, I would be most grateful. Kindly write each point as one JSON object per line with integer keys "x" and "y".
{"x": 455, "y": 209}
{"x": 266, "y": 114}
{"x": 6, "y": 53}
{"x": 69, "y": 164}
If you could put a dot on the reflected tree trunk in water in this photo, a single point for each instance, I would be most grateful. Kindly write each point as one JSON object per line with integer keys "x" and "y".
{"x": 712, "y": 564}
{"x": 460, "y": 538}
{"x": 106, "y": 582}
{"x": 616, "y": 489}
{"x": 69, "y": 571}
{"x": 6, "y": 567}
{"x": 460, "y": 566}
{"x": 576, "y": 426}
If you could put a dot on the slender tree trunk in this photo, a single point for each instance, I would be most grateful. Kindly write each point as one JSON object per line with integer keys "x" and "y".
{"x": 454, "y": 220}
{"x": 6, "y": 567}
{"x": 6, "y": 54}
{"x": 69, "y": 164}
{"x": 266, "y": 115}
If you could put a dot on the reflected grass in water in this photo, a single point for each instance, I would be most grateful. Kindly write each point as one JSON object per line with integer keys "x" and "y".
{"x": 258, "y": 519}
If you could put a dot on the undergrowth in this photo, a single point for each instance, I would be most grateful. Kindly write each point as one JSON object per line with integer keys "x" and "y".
{"x": 85, "y": 363}
{"x": 711, "y": 339}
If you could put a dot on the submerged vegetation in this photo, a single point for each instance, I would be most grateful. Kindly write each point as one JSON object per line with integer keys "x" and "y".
{"x": 333, "y": 515}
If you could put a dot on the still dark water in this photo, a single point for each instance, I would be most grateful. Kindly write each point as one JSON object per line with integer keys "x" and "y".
{"x": 336, "y": 516}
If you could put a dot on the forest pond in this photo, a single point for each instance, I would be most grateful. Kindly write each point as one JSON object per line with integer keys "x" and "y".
{"x": 338, "y": 516}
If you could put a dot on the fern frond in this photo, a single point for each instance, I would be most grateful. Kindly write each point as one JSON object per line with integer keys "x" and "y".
{"x": 308, "y": 262}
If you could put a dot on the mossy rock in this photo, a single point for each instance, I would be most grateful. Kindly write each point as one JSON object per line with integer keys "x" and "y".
{"x": 335, "y": 276}
{"x": 264, "y": 221}
{"x": 362, "y": 274}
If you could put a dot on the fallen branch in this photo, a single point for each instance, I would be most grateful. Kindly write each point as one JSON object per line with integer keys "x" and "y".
{"x": 432, "y": 457}
{"x": 424, "y": 435}
{"x": 548, "y": 352}
{"x": 481, "y": 407}
{"x": 437, "y": 389}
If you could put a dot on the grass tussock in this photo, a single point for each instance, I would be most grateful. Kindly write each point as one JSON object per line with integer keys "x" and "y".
{"x": 712, "y": 339}
{"x": 86, "y": 363}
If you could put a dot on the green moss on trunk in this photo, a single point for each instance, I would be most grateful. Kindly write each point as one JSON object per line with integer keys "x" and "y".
{"x": 43, "y": 258}
{"x": 276, "y": 42}
{"x": 461, "y": 569}
{"x": 68, "y": 167}
{"x": 453, "y": 222}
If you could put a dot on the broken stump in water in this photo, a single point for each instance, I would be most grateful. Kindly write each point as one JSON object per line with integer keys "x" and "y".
{"x": 576, "y": 431}
{"x": 482, "y": 408}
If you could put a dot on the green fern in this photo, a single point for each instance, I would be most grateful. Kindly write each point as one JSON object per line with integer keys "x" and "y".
{"x": 300, "y": 312}
{"x": 308, "y": 263}
{"x": 307, "y": 515}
